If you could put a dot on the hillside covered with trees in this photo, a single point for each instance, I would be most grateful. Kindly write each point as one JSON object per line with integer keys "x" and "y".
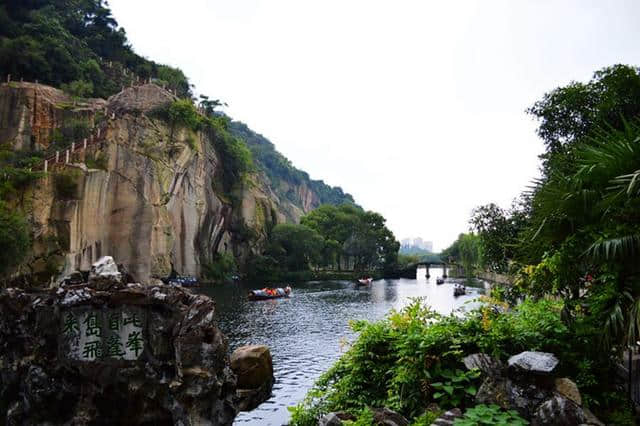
{"x": 281, "y": 173}
{"x": 76, "y": 45}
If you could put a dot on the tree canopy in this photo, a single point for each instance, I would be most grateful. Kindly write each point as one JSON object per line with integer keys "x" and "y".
{"x": 69, "y": 43}
{"x": 282, "y": 173}
{"x": 354, "y": 236}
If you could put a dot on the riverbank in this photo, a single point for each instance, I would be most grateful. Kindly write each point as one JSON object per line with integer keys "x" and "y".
{"x": 416, "y": 362}
{"x": 308, "y": 332}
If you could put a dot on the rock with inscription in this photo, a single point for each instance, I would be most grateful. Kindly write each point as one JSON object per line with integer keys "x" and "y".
{"x": 129, "y": 354}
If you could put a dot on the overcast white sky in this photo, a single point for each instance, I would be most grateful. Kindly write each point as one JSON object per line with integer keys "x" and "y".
{"x": 416, "y": 108}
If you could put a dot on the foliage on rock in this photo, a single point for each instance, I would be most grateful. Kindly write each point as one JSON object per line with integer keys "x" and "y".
{"x": 490, "y": 415}
{"x": 414, "y": 358}
{"x": 15, "y": 238}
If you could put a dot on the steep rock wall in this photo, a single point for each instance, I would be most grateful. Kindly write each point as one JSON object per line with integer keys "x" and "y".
{"x": 153, "y": 208}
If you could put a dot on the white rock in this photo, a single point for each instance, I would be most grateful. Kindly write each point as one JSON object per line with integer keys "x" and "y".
{"x": 534, "y": 362}
{"x": 105, "y": 267}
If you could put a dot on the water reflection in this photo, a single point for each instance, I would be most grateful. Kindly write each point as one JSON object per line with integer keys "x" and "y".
{"x": 306, "y": 333}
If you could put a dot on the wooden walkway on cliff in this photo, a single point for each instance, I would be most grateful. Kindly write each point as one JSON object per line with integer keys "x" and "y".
{"x": 61, "y": 158}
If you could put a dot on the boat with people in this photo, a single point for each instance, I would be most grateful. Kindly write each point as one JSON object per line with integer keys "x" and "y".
{"x": 439, "y": 280}
{"x": 365, "y": 281}
{"x": 459, "y": 290}
{"x": 182, "y": 281}
{"x": 269, "y": 293}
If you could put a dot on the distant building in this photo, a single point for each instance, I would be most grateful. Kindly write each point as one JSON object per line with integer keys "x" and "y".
{"x": 417, "y": 243}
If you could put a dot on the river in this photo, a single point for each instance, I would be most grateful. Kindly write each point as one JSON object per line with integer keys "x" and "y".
{"x": 308, "y": 332}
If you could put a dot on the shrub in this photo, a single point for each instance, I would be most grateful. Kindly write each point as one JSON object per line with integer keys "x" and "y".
{"x": 414, "y": 357}
{"x": 73, "y": 130}
{"x": 66, "y": 183}
{"x": 78, "y": 88}
{"x": 220, "y": 268}
{"x": 427, "y": 418}
{"x": 490, "y": 415}
{"x": 15, "y": 238}
{"x": 179, "y": 113}
{"x": 97, "y": 161}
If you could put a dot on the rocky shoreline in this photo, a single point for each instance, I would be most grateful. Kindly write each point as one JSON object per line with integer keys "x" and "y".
{"x": 111, "y": 352}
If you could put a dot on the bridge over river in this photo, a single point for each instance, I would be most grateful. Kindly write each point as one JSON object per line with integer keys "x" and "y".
{"x": 427, "y": 261}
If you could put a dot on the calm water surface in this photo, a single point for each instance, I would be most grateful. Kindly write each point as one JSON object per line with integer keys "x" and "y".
{"x": 308, "y": 332}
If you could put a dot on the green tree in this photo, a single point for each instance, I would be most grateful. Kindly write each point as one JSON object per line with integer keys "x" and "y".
{"x": 362, "y": 236}
{"x": 498, "y": 231}
{"x": 15, "y": 238}
{"x": 296, "y": 246}
{"x": 569, "y": 114}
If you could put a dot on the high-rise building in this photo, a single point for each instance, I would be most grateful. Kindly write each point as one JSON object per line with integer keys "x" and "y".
{"x": 417, "y": 243}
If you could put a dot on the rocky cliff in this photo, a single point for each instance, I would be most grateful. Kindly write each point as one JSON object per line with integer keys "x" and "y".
{"x": 153, "y": 201}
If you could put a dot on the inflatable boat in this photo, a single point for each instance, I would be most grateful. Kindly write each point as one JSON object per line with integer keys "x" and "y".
{"x": 365, "y": 281}
{"x": 269, "y": 293}
{"x": 459, "y": 291}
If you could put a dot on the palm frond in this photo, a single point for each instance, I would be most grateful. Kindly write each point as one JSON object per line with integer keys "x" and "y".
{"x": 615, "y": 248}
{"x": 629, "y": 183}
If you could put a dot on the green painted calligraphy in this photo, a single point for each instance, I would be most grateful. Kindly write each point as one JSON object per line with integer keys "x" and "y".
{"x": 133, "y": 319}
{"x": 114, "y": 346}
{"x": 93, "y": 325}
{"x": 92, "y": 349}
{"x": 114, "y": 321}
{"x": 135, "y": 342}
{"x": 70, "y": 324}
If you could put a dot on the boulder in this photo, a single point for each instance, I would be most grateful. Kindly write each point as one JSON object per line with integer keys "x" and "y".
{"x": 133, "y": 355}
{"x": 330, "y": 419}
{"x": 448, "y": 418}
{"x": 525, "y": 397}
{"x": 254, "y": 371}
{"x": 144, "y": 98}
{"x": 529, "y": 362}
{"x": 104, "y": 274}
{"x": 493, "y": 391}
{"x": 248, "y": 399}
{"x": 252, "y": 365}
{"x": 567, "y": 388}
{"x": 386, "y": 417}
{"x": 558, "y": 411}
{"x": 485, "y": 363}
{"x": 74, "y": 278}
{"x": 335, "y": 419}
{"x": 590, "y": 418}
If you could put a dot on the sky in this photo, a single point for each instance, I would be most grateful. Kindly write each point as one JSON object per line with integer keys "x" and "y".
{"x": 416, "y": 108}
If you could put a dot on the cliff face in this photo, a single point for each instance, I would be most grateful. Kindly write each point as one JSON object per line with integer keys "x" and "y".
{"x": 153, "y": 204}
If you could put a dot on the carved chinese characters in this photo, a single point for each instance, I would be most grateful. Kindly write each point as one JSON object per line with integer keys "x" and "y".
{"x": 103, "y": 334}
